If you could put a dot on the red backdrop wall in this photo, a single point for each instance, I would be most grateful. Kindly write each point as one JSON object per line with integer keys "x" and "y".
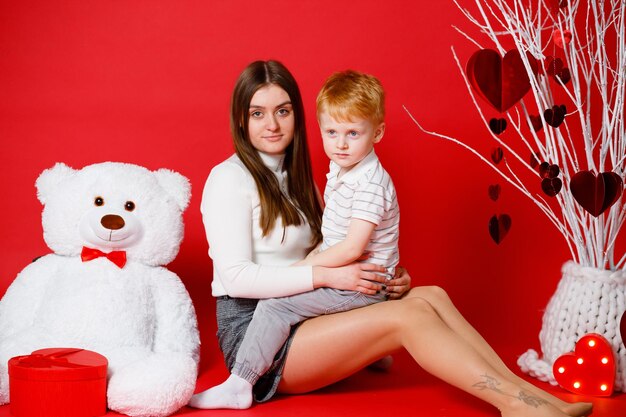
{"x": 149, "y": 82}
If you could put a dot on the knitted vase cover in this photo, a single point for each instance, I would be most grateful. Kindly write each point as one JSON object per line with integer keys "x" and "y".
{"x": 587, "y": 300}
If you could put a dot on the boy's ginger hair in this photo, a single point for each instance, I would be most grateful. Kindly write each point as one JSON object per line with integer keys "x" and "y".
{"x": 350, "y": 94}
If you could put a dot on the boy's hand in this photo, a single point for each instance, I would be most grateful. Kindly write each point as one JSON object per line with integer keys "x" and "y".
{"x": 399, "y": 285}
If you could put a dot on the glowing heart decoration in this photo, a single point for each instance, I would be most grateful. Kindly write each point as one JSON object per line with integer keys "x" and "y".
{"x": 589, "y": 370}
{"x": 500, "y": 81}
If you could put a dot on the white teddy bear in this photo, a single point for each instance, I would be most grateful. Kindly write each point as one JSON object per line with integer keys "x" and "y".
{"x": 111, "y": 227}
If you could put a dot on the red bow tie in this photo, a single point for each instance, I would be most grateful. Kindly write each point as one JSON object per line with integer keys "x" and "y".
{"x": 118, "y": 257}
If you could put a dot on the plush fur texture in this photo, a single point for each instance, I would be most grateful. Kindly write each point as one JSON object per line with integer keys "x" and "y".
{"x": 139, "y": 316}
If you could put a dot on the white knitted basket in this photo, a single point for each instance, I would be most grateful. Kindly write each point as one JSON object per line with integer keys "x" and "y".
{"x": 587, "y": 300}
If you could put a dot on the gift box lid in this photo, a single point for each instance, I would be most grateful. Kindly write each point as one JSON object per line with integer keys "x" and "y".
{"x": 54, "y": 364}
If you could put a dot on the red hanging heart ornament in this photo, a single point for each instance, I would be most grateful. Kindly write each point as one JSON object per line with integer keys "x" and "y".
{"x": 589, "y": 370}
{"x": 502, "y": 82}
{"x": 561, "y": 38}
{"x": 536, "y": 122}
{"x": 555, "y": 68}
{"x": 551, "y": 186}
{"x": 555, "y": 116}
{"x": 499, "y": 226}
{"x": 496, "y": 155}
{"x": 549, "y": 171}
{"x": 596, "y": 193}
{"x": 497, "y": 126}
{"x": 494, "y": 192}
{"x": 534, "y": 159}
{"x": 555, "y": 5}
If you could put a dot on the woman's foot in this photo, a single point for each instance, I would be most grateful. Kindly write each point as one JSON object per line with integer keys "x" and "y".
{"x": 527, "y": 405}
{"x": 234, "y": 393}
{"x": 580, "y": 409}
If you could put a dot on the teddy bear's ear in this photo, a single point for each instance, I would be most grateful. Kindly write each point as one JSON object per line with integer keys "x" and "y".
{"x": 50, "y": 179}
{"x": 176, "y": 185}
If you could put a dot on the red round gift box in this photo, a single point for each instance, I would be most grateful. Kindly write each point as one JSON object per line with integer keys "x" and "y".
{"x": 58, "y": 382}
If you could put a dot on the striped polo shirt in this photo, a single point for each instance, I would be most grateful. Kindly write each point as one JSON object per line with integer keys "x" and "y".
{"x": 365, "y": 192}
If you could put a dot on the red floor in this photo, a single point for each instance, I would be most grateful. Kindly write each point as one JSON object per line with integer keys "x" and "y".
{"x": 405, "y": 390}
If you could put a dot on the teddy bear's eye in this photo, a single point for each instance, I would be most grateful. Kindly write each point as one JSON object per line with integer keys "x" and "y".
{"x": 129, "y": 206}
{"x": 98, "y": 201}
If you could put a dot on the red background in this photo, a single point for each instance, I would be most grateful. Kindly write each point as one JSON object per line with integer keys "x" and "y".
{"x": 149, "y": 82}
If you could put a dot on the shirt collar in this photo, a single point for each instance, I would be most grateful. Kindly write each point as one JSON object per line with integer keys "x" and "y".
{"x": 273, "y": 162}
{"x": 357, "y": 171}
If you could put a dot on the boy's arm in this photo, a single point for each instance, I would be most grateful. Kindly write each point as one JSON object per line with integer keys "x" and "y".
{"x": 346, "y": 251}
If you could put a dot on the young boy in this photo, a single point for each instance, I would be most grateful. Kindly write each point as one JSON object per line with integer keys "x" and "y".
{"x": 361, "y": 216}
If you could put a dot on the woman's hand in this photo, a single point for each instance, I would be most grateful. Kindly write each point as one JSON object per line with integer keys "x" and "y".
{"x": 400, "y": 284}
{"x": 359, "y": 277}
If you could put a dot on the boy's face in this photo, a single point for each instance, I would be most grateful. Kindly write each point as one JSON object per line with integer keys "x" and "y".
{"x": 347, "y": 143}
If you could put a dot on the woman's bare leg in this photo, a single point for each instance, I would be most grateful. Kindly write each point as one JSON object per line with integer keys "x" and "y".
{"x": 344, "y": 343}
{"x": 442, "y": 304}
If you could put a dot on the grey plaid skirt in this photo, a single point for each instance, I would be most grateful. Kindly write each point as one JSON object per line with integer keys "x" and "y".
{"x": 233, "y": 318}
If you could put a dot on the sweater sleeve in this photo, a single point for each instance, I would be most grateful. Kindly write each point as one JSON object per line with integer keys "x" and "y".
{"x": 227, "y": 215}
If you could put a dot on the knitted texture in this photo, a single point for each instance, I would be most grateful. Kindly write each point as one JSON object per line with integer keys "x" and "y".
{"x": 587, "y": 300}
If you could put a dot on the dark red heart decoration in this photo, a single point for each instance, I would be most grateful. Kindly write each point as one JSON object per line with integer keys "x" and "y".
{"x": 502, "y": 82}
{"x": 563, "y": 77}
{"x": 494, "y": 192}
{"x": 549, "y": 171}
{"x": 554, "y": 66}
{"x": 596, "y": 193}
{"x": 499, "y": 226}
{"x": 535, "y": 122}
{"x": 497, "y": 126}
{"x": 496, "y": 155}
{"x": 551, "y": 186}
{"x": 555, "y": 116}
{"x": 555, "y": 5}
{"x": 622, "y": 328}
{"x": 561, "y": 38}
{"x": 589, "y": 370}
{"x": 534, "y": 159}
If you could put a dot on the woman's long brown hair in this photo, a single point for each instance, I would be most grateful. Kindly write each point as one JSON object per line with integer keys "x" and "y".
{"x": 297, "y": 161}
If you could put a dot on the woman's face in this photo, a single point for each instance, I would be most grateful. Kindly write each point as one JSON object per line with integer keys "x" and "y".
{"x": 271, "y": 120}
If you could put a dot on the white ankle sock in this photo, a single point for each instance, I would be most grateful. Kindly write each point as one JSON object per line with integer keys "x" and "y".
{"x": 234, "y": 393}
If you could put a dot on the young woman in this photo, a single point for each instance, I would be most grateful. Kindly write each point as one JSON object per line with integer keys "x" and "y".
{"x": 262, "y": 214}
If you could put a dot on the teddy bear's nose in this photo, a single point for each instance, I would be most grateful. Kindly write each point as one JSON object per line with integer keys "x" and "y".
{"x": 112, "y": 222}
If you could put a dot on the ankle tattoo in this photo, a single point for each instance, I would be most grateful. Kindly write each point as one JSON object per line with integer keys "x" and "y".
{"x": 492, "y": 384}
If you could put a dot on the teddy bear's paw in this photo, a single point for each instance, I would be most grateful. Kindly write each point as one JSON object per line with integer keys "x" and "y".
{"x": 155, "y": 386}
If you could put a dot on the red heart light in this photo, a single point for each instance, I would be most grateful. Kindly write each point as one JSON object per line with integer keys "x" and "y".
{"x": 501, "y": 81}
{"x": 499, "y": 226}
{"x": 596, "y": 193}
{"x": 589, "y": 370}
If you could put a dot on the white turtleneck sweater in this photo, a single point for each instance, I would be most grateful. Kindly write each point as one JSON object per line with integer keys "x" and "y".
{"x": 246, "y": 264}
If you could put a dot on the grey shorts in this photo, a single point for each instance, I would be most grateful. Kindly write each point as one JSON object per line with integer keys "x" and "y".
{"x": 233, "y": 317}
